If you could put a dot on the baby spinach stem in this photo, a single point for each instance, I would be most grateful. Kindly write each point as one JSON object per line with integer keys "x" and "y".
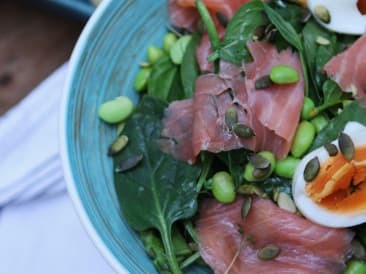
{"x": 210, "y": 27}
{"x": 168, "y": 246}
{"x": 206, "y": 168}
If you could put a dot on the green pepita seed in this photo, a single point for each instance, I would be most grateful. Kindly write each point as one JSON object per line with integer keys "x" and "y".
{"x": 120, "y": 128}
{"x": 259, "y": 32}
{"x": 331, "y": 149}
{"x": 269, "y": 252}
{"x": 322, "y": 13}
{"x": 231, "y": 117}
{"x": 322, "y": 41}
{"x": 285, "y": 202}
{"x": 259, "y": 173}
{"x": 276, "y": 193}
{"x": 129, "y": 163}
{"x": 263, "y": 82}
{"x": 222, "y": 18}
{"x": 305, "y": 16}
{"x": 251, "y": 190}
{"x": 311, "y": 169}
{"x": 179, "y": 48}
{"x": 117, "y": 145}
{"x": 284, "y": 74}
{"x": 346, "y": 146}
{"x": 243, "y": 131}
{"x": 247, "y": 203}
{"x": 259, "y": 161}
{"x": 145, "y": 64}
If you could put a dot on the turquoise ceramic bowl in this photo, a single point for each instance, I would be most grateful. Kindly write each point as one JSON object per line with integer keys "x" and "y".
{"x": 103, "y": 65}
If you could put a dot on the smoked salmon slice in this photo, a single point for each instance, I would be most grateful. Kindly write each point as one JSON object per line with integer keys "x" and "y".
{"x": 305, "y": 247}
{"x": 348, "y": 69}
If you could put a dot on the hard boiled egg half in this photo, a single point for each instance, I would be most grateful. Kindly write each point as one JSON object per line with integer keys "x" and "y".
{"x": 342, "y": 16}
{"x": 336, "y": 196}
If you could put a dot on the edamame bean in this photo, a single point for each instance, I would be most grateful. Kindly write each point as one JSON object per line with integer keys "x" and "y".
{"x": 168, "y": 41}
{"x": 250, "y": 169}
{"x": 223, "y": 188}
{"x": 319, "y": 122}
{"x": 355, "y": 267}
{"x": 303, "y": 139}
{"x": 283, "y": 74}
{"x": 116, "y": 110}
{"x": 307, "y": 111}
{"x": 286, "y": 167}
{"x": 141, "y": 79}
{"x": 179, "y": 48}
{"x": 154, "y": 54}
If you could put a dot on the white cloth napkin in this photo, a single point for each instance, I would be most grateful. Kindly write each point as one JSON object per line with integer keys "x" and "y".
{"x": 40, "y": 232}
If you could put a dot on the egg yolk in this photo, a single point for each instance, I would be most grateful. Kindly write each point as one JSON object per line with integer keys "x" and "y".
{"x": 340, "y": 185}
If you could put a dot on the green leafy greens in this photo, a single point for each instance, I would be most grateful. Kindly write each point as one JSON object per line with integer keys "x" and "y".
{"x": 160, "y": 190}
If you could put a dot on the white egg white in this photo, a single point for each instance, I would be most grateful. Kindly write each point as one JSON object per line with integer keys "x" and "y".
{"x": 308, "y": 207}
{"x": 344, "y": 14}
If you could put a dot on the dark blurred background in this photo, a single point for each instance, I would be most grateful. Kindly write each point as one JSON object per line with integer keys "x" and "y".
{"x": 36, "y": 37}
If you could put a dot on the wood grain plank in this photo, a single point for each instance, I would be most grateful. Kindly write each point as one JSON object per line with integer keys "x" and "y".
{"x": 33, "y": 43}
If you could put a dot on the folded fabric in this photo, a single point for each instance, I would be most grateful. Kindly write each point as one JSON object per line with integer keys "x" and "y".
{"x": 29, "y": 142}
{"x": 40, "y": 232}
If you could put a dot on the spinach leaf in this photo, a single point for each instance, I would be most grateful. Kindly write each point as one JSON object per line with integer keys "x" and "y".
{"x": 164, "y": 82}
{"x": 353, "y": 112}
{"x": 189, "y": 70}
{"x": 239, "y": 30}
{"x": 285, "y": 28}
{"x": 332, "y": 93}
{"x": 291, "y": 36}
{"x": 160, "y": 190}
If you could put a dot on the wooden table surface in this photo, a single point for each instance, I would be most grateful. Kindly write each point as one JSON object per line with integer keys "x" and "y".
{"x": 33, "y": 43}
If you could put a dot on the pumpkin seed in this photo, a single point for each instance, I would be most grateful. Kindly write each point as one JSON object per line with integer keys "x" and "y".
{"x": 120, "y": 128}
{"x": 117, "y": 145}
{"x": 276, "y": 193}
{"x": 247, "y": 203}
{"x": 259, "y": 161}
{"x": 231, "y": 117}
{"x": 269, "y": 252}
{"x": 322, "y": 41}
{"x": 305, "y": 16}
{"x": 358, "y": 251}
{"x": 263, "y": 82}
{"x": 129, "y": 163}
{"x": 331, "y": 149}
{"x": 222, "y": 18}
{"x": 346, "y": 146}
{"x": 259, "y": 173}
{"x": 144, "y": 64}
{"x": 322, "y": 13}
{"x": 311, "y": 169}
{"x": 285, "y": 202}
{"x": 243, "y": 131}
{"x": 259, "y": 32}
{"x": 252, "y": 190}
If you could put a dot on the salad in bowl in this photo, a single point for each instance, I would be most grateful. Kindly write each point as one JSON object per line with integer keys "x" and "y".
{"x": 246, "y": 151}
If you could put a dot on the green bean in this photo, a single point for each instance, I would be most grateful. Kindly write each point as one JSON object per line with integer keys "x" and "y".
{"x": 355, "y": 267}
{"x": 168, "y": 41}
{"x": 308, "y": 107}
{"x": 303, "y": 139}
{"x": 154, "y": 54}
{"x": 116, "y": 110}
{"x": 283, "y": 74}
{"x": 179, "y": 48}
{"x": 286, "y": 167}
{"x": 249, "y": 170}
{"x": 319, "y": 122}
{"x": 141, "y": 79}
{"x": 223, "y": 188}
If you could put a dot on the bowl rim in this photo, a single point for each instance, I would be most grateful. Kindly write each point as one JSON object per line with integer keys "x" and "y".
{"x": 63, "y": 141}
